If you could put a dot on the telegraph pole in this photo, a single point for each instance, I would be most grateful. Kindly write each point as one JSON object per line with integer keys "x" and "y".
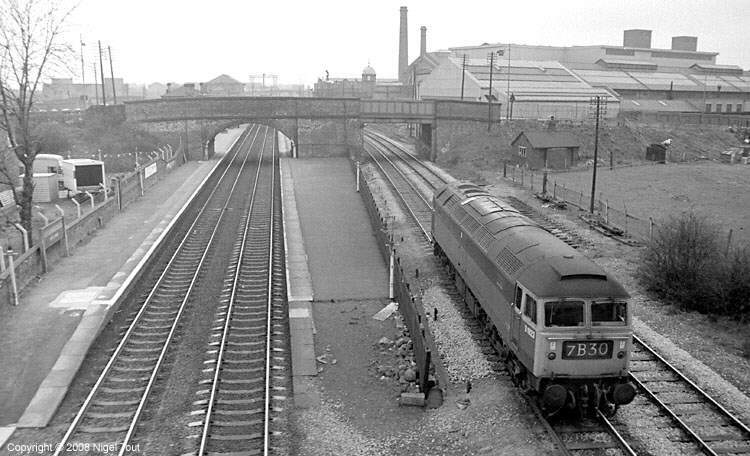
{"x": 491, "y": 57}
{"x": 507, "y": 92}
{"x": 96, "y": 84}
{"x": 83, "y": 73}
{"x": 463, "y": 76}
{"x": 112, "y": 74}
{"x": 101, "y": 72}
{"x": 596, "y": 105}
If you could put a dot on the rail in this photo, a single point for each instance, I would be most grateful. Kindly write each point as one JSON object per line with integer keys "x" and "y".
{"x": 707, "y": 442}
{"x": 252, "y": 274}
{"x": 182, "y": 265}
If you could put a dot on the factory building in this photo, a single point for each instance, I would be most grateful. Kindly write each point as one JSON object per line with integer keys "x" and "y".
{"x": 540, "y": 81}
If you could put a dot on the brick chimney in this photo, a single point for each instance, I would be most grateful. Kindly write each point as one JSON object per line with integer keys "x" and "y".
{"x": 423, "y": 41}
{"x": 403, "y": 47}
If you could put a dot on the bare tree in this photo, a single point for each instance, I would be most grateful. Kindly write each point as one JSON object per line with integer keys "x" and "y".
{"x": 32, "y": 47}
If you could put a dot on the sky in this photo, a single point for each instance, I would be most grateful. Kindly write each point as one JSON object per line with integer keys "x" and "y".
{"x": 195, "y": 41}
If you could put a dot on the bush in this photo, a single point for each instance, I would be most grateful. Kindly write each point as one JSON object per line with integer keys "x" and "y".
{"x": 687, "y": 265}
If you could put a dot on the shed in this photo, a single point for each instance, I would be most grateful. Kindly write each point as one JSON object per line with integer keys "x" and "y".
{"x": 51, "y": 163}
{"x": 546, "y": 149}
{"x": 656, "y": 152}
{"x": 45, "y": 187}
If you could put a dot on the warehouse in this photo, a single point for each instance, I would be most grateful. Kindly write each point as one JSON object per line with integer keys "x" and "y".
{"x": 539, "y": 81}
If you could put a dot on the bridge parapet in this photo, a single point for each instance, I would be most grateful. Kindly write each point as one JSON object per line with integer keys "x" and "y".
{"x": 222, "y": 108}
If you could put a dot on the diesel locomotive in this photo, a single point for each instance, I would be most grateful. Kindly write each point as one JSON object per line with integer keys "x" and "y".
{"x": 561, "y": 324}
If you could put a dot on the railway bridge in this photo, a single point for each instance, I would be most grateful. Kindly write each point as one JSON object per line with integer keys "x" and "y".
{"x": 318, "y": 126}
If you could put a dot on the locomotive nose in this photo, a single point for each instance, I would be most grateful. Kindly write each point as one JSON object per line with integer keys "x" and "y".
{"x": 623, "y": 393}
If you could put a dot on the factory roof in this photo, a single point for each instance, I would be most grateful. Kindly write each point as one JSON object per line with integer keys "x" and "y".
{"x": 532, "y": 80}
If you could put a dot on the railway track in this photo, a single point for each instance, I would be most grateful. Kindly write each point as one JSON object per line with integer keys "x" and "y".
{"x": 700, "y": 419}
{"x": 432, "y": 176}
{"x": 243, "y": 395}
{"x": 710, "y": 426}
{"x": 414, "y": 201}
{"x": 110, "y": 414}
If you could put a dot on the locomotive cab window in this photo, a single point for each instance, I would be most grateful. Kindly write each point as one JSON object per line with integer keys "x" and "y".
{"x": 609, "y": 313}
{"x": 530, "y": 309}
{"x": 563, "y": 313}
{"x": 519, "y": 295}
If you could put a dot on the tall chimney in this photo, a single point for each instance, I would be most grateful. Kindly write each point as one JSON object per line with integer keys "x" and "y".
{"x": 423, "y": 41}
{"x": 403, "y": 47}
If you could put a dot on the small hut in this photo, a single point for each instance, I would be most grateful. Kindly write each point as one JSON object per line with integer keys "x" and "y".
{"x": 546, "y": 149}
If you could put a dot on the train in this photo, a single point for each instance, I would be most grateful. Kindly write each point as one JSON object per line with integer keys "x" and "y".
{"x": 561, "y": 324}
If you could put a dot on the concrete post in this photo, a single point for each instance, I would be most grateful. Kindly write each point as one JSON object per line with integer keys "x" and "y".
{"x": 391, "y": 266}
{"x": 43, "y": 251}
{"x": 118, "y": 194}
{"x": 357, "y": 176}
{"x": 91, "y": 198}
{"x": 12, "y": 268}
{"x": 140, "y": 181}
{"x": 65, "y": 237}
{"x": 78, "y": 207}
{"x": 24, "y": 235}
{"x": 41, "y": 214}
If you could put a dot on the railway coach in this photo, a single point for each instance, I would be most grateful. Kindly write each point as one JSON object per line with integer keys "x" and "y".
{"x": 561, "y": 324}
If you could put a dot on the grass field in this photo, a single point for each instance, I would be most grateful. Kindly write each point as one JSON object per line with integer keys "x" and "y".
{"x": 719, "y": 191}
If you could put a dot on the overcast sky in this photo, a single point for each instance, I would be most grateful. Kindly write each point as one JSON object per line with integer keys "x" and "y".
{"x": 194, "y": 41}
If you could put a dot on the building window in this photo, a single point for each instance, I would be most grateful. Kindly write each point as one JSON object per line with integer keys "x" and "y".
{"x": 708, "y": 107}
{"x": 739, "y": 107}
{"x": 522, "y": 151}
{"x": 718, "y": 107}
{"x": 729, "y": 107}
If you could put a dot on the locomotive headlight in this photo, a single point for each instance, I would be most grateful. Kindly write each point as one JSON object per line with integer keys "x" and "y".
{"x": 551, "y": 356}
{"x": 620, "y": 355}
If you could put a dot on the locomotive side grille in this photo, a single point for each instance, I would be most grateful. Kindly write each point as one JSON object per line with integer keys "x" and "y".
{"x": 509, "y": 262}
{"x": 470, "y": 224}
{"x": 484, "y": 238}
{"x": 450, "y": 203}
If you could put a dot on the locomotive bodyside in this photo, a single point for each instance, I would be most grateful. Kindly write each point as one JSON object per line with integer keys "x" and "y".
{"x": 560, "y": 322}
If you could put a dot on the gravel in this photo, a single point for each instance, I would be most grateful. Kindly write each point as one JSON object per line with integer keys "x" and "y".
{"x": 463, "y": 356}
{"x": 457, "y": 348}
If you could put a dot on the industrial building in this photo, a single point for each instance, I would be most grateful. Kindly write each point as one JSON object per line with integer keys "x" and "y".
{"x": 368, "y": 86}
{"x": 540, "y": 81}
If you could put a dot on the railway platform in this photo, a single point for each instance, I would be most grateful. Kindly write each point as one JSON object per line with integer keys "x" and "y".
{"x": 336, "y": 278}
{"x": 45, "y": 338}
